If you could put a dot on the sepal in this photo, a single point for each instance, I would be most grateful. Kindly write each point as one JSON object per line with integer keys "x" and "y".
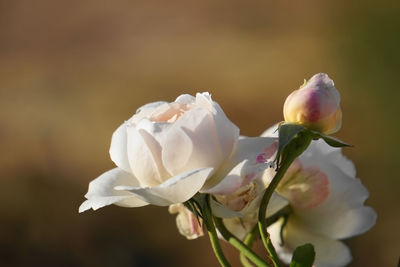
{"x": 303, "y": 256}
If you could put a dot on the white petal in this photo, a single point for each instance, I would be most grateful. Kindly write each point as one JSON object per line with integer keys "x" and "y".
{"x": 177, "y": 189}
{"x": 222, "y": 211}
{"x": 185, "y": 99}
{"x": 355, "y": 222}
{"x": 204, "y": 100}
{"x": 275, "y": 204}
{"x": 232, "y": 182}
{"x": 150, "y": 132}
{"x": 176, "y": 150}
{"x": 328, "y": 252}
{"x": 145, "y": 112}
{"x": 321, "y": 150}
{"x": 118, "y": 148}
{"x": 341, "y": 215}
{"x": 240, "y": 227}
{"x": 271, "y": 131}
{"x": 210, "y": 131}
{"x": 247, "y": 148}
{"x": 142, "y": 159}
{"x": 206, "y": 150}
{"x": 335, "y": 156}
{"x": 190, "y": 143}
{"x": 227, "y": 132}
{"x": 101, "y": 191}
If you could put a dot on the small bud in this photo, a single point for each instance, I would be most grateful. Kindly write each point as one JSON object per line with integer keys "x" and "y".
{"x": 315, "y": 105}
{"x": 188, "y": 224}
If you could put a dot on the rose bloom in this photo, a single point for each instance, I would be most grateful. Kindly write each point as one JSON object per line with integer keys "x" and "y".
{"x": 236, "y": 197}
{"x": 327, "y": 203}
{"x": 238, "y": 204}
{"x": 167, "y": 152}
{"x": 316, "y": 105}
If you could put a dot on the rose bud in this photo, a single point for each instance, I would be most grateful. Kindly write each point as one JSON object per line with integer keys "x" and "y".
{"x": 315, "y": 105}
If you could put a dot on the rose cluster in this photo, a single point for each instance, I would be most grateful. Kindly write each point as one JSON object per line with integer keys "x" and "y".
{"x": 168, "y": 153}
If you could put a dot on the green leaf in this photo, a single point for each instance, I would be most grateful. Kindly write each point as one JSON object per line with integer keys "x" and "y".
{"x": 193, "y": 207}
{"x": 287, "y": 131}
{"x": 303, "y": 256}
{"x": 200, "y": 200}
{"x": 332, "y": 141}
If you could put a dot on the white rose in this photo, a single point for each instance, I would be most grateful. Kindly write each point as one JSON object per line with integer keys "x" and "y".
{"x": 239, "y": 202}
{"x": 165, "y": 153}
{"x": 327, "y": 203}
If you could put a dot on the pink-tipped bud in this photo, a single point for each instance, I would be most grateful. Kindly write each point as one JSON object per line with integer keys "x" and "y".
{"x": 315, "y": 105}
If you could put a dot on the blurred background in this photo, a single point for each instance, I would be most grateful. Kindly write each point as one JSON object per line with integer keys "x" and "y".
{"x": 72, "y": 71}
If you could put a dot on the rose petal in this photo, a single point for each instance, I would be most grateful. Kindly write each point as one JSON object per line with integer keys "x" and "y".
{"x": 142, "y": 159}
{"x": 190, "y": 143}
{"x": 271, "y": 131}
{"x": 232, "y": 182}
{"x": 333, "y": 155}
{"x": 177, "y": 189}
{"x": 204, "y": 100}
{"x": 176, "y": 149}
{"x": 150, "y": 132}
{"x": 276, "y": 203}
{"x": 185, "y": 99}
{"x": 305, "y": 188}
{"x": 118, "y": 151}
{"x": 328, "y": 252}
{"x": 247, "y": 148}
{"x": 227, "y": 132}
{"x": 145, "y": 112}
{"x": 341, "y": 215}
{"x": 101, "y": 191}
{"x": 222, "y": 211}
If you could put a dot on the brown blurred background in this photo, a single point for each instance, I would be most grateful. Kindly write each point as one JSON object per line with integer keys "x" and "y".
{"x": 72, "y": 71}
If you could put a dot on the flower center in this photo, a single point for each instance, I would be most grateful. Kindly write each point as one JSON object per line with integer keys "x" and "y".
{"x": 240, "y": 199}
{"x": 169, "y": 112}
{"x": 304, "y": 187}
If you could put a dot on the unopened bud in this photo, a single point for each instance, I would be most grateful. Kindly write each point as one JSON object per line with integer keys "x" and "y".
{"x": 316, "y": 105}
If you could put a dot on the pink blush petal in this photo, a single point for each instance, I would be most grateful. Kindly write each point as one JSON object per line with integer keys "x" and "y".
{"x": 312, "y": 190}
{"x": 248, "y": 178}
{"x": 305, "y": 187}
{"x": 313, "y": 106}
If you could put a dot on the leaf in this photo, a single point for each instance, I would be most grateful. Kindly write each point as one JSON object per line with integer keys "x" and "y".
{"x": 332, "y": 141}
{"x": 287, "y": 131}
{"x": 192, "y": 207}
{"x": 200, "y": 200}
{"x": 303, "y": 256}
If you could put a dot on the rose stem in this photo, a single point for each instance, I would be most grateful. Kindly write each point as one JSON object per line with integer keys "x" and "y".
{"x": 234, "y": 241}
{"x": 212, "y": 233}
{"x": 294, "y": 149}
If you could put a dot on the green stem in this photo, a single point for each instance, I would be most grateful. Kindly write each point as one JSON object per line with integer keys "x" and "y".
{"x": 238, "y": 244}
{"x": 294, "y": 149}
{"x": 248, "y": 241}
{"x": 254, "y": 233}
{"x": 212, "y": 233}
{"x": 245, "y": 262}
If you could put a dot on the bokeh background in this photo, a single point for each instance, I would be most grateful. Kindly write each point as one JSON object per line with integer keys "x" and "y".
{"x": 72, "y": 71}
